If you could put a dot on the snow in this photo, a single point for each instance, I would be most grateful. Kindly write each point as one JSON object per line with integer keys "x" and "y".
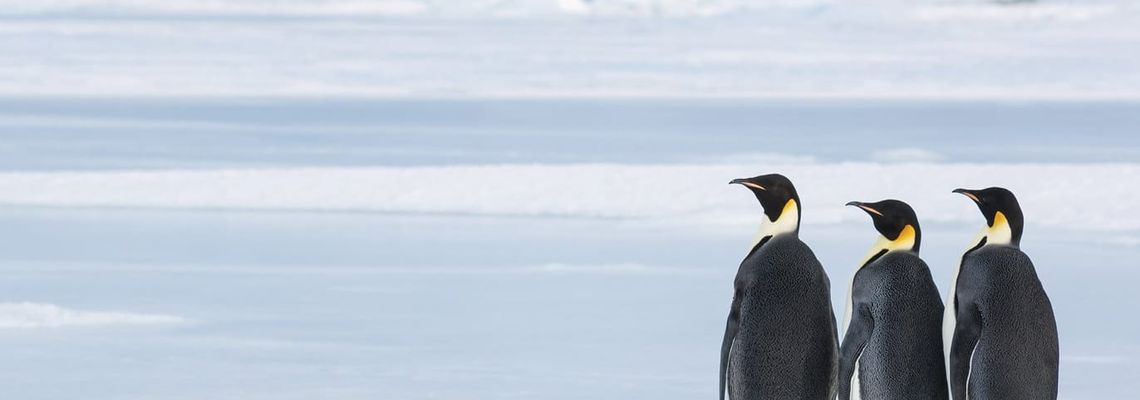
{"x": 906, "y": 155}
{"x": 255, "y": 8}
{"x": 813, "y": 49}
{"x": 674, "y": 193}
{"x": 26, "y": 315}
{"x": 922, "y": 9}
{"x": 315, "y": 305}
{"x": 451, "y": 199}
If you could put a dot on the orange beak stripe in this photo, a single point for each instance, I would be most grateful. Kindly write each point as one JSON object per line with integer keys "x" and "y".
{"x": 871, "y": 210}
{"x": 971, "y": 196}
{"x": 753, "y": 185}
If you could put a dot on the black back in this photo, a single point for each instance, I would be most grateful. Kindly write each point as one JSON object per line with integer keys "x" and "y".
{"x": 785, "y": 344}
{"x": 1005, "y": 341}
{"x": 895, "y": 332}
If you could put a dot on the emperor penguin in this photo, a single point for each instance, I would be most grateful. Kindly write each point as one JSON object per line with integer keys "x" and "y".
{"x": 780, "y": 340}
{"x": 892, "y": 343}
{"x": 999, "y": 332}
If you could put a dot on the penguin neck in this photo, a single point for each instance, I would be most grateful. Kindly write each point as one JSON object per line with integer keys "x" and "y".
{"x": 788, "y": 223}
{"x": 907, "y": 240}
{"x": 1000, "y": 233}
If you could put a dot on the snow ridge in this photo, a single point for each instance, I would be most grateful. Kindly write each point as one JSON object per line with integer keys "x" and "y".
{"x": 25, "y": 315}
{"x": 684, "y": 193}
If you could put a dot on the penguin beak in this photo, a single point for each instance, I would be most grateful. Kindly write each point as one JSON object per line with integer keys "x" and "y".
{"x": 746, "y": 182}
{"x": 865, "y": 207}
{"x": 968, "y": 193}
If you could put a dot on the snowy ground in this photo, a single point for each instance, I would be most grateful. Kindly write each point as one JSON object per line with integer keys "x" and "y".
{"x": 193, "y": 249}
{"x": 451, "y": 199}
{"x": 965, "y": 49}
{"x": 299, "y": 305}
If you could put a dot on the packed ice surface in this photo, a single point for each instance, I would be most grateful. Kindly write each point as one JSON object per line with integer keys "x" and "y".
{"x": 359, "y": 249}
{"x": 200, "y": 202}
{"x": 1078, "y": 197}
{"x": 358, "y": 306}
{"x": 206, "y": 199}
{"x": 33, "y": 315}
{"x": 194, "y": 133}
{"x": 1048, "y": 49}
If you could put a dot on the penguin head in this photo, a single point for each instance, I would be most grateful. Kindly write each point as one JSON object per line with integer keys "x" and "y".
{"x": 1004, "y": 220}
{"x": 778, "y": 197}
{"x": 897, "y": 225}
{"x": 896, "y": 221}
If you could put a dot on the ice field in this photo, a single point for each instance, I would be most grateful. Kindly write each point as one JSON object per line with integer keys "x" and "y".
{"x": 853, "y": 49}
{"x": 184, "y": 251}
{"x": 524, "y": 199}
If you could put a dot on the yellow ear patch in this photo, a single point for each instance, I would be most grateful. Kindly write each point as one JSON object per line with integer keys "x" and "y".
{"x": 787, "y": 222}
{"x": 999, "y": 220}
{"x": 905, "y": 241}
{"x": 1000, "y": 232}
{"x": 789, "y": 209}
{"x": 906, "y": 238}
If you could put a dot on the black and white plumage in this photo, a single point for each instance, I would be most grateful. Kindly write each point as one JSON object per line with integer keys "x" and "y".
{"x": 780, "y": 339}
{"x": 999, "y": 326}
{"x": 892, "y": 344}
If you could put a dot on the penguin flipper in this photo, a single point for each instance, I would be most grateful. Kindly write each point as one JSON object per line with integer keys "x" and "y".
{"x": 854, "y": 341}
{"x": 833, "y": 376}
{"x": 729, "y": 336}
{"x": 967, "y": 332}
